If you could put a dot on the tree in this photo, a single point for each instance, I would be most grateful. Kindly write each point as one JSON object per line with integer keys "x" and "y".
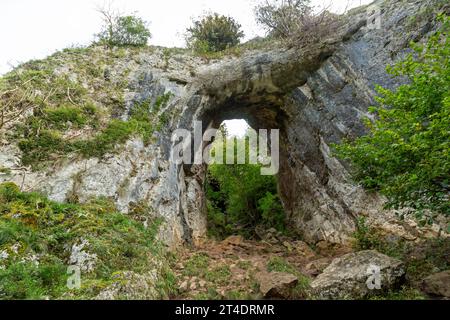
{"x": 283, "y": 18}
{"x": 214, "y": 33}
{"x": 295, "y": 20}
{"x": 122, "y": 30}
{"x": 406, "y": 154}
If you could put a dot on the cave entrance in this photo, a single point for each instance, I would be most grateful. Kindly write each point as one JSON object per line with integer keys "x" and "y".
{"x": 241, "y": 199}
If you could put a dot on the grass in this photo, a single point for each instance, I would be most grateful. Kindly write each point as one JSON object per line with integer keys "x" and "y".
{"x": 71, "y": 102}
{"x": 239, "y": 50}
{"x": 238, "y": 295}
{"x": 43, "y": 133}
{"x": 36, "y": 236}
{"x": 405, "y": 293}
{"x": 196, "y": 265}
{"x": 218, "y": 275}
{"x": 5, "y": 170}
{"x": 211, "y": 294}
{"x": 244, "y": 264}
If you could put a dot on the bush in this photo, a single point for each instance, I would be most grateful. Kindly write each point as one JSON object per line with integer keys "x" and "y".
{"x": 214, "y": 33}
{"x": 283, "y": 18}
{"x": 123, "y": 30}
{"x": 294, "y": 20}
{"x": 405, "y": 156}
{"x": 272, "y": 212}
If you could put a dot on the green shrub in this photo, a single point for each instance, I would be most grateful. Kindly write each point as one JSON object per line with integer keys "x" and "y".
{"x": 283, "y": 18}
{"x": 214, "y": 33}
{"x": 366, "y": 238}
{"x": 406, "y": 154}
{"x": 41, "y": 147}
{"x": 119, "y": 30}
{"x": 272, "y": 212}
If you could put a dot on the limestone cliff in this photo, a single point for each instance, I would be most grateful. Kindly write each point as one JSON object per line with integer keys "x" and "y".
{"x": 316, "y": 94}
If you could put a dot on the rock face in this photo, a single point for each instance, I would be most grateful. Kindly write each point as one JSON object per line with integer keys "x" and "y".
{"x": 316, "y": 95}
{"x": 276, "y": 284}
{"x": 437, "y": 284}
{"x": 357, "y": 275}
{"x": 131, "y": 286}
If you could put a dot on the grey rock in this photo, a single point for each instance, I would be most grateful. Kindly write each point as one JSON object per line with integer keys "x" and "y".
{"x": 129, "y": 285}
{"x": 276, "y": 284}
{"x": 437, "y": 284}
{"x": 355, "y": 276}
{"x": 316, "y": 95}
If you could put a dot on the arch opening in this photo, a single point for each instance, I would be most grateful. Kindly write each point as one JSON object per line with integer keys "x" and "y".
{"x": 239, "y": 198}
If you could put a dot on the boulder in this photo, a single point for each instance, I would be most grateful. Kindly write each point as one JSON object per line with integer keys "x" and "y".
{"x": 437, "y": 284}
{"x": 129, "y": 285}
{"x": 358, "y": 275}
{"x": 276, "y": 284}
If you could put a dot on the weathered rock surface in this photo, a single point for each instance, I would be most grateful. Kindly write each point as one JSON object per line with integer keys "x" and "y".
{"x": 276, "y": 284}
{"x": 437, "y": 284}
{"x": 316, "y": 95}
{"x": 354, "y": 276}
{"x": 132, "y": 286}
{"x": 316, "y": 267}
{"x": 129, "y": 285}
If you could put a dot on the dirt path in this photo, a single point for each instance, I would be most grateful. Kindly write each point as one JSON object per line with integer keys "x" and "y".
{"x": 227, "y": 269}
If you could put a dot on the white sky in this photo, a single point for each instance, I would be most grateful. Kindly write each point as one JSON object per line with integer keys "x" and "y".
{"x": 33, "y": 29}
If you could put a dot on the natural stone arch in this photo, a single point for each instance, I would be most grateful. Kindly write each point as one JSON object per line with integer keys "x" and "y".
{"x": 261, "y": 89}
{"x": 317, "y": 94}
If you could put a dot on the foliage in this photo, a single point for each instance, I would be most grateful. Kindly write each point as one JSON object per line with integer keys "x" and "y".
{"x": 426, "y": 14}
{"x": 366, "y": 237}
{"x": 406, "y": 154}
{"x": 277, "y": 264}
{"x": 41, "y": 134}
{"x": 283, "y": 18}
{"x": 405, "y": 293}
{"x": 36, "y": 237}
{"x": 239, "y": 198}
{"x": 196, "y": 265}
{"x": 123, "y": 30}
{"x": 421, "y": 259}
{"x": 219, "y": 275}
{"x": 240, "y": 49}
{"x": 214, "y": 33}
{"x": 272, "y": 212}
